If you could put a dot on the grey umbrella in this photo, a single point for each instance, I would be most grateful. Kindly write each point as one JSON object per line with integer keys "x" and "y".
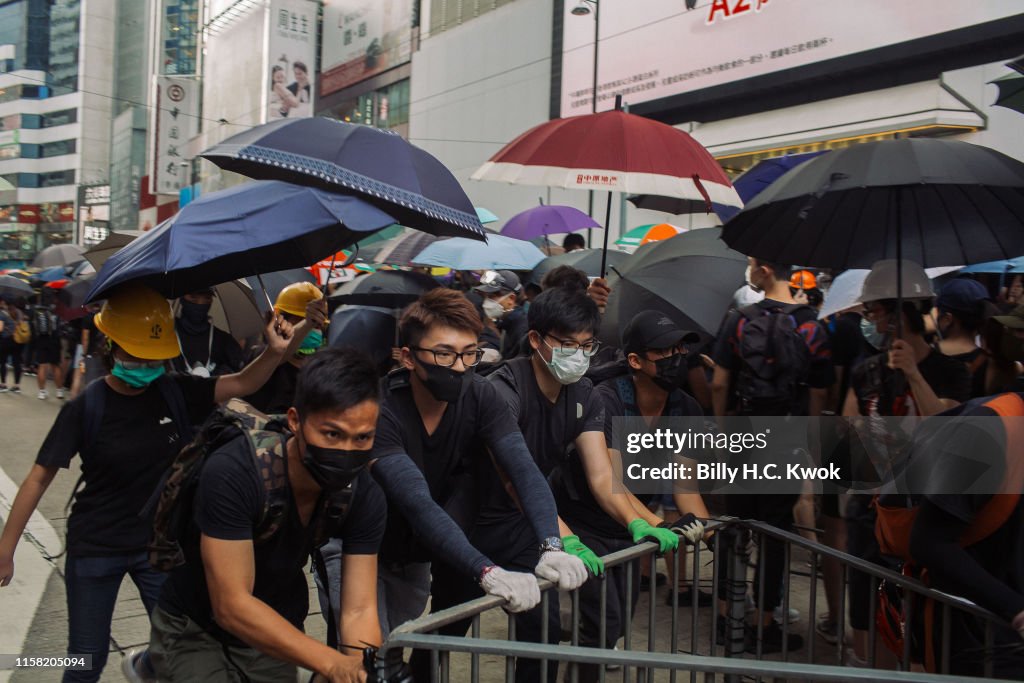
{"x": 113, "y": 243}
{"x": 12, "y": 287}
{"x": 59, "y": 255}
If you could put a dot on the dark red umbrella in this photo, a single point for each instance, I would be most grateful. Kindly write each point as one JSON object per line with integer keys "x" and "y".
{"x": 616, "y": 152}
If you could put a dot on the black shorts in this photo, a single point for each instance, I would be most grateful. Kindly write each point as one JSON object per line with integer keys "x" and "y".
{"x": 48, "y": 350}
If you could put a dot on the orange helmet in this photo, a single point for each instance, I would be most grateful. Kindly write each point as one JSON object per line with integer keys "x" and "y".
{"x": 803, "y": 279}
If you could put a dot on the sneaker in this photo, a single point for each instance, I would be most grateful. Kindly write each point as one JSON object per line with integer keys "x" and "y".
{"x": 60, "y": 394}
{"x": 135, "y": 666}
{"x": 614, "y": 667}
{"x": 16, "y": 390}
{"x": 771, "y": 640}
{"x": 704, "y": 599}
{"x": 42, "y": 394}
{"x": 794, "y": 615}
{"x": 3, "y": 388}
{"x": 827, "y": 629}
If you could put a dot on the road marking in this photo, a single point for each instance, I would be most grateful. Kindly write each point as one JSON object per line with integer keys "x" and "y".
{"x": 31, "y": 573}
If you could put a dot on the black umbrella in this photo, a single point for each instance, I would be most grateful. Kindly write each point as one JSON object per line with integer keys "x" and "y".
{"x": 274, "y": 282}
{"x": 402, "y": 249}
{"x": 59, "y": 255}
{"x": 73, "y": 294}
{"x": 385, "y": 289}
{"x": 690, "y": 278}
{"x": 587, "y": 260}
{"x": 375, "y": 165}
{"x": 366, "y": 328}
{"x": 934, "y": 202}
{"x": 1011, "y": 93}
{"x": 14, "y": 288}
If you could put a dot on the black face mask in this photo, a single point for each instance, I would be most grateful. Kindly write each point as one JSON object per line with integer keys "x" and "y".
{"x": 194, "y": 317}
{"x": 668, "y": 371}
{"x": 445, "y": 384}
{"x": 334, "y": 468}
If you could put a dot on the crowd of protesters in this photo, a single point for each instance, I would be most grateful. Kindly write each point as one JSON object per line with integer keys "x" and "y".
{"x": 483, "y": 459}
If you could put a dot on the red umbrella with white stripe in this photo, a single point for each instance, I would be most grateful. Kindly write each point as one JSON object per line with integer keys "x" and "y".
{"x": 613, "y": 151}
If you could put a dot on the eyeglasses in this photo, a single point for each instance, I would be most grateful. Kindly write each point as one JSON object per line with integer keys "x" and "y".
{"x": 446, "y": 359}
{"x": 571, "y": 346}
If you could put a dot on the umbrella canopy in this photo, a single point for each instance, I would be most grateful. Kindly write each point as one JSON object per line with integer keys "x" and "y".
{"x": 111, "y": 244}
{"x": 235, "y": 310}
{"x": 274, "y": 282}
{"x": 649, "y": 233}
{"x": 401, "y": 250}
{"x": 387, "y": 289}
{"x": 367, "y": 328}
{"x": 943, "y": 202}
{"x": 376, "y": 165}
{"x": 253, "y": 228}
{"x": 50, "y": 275}
{"x": 544, "y": 220}
{"x": 73, "y": 294}
{"x": 690, "y": 278}
{"x": 612, "y": 151}
{"x": 1011, "y": 92}
{"x": 587, "y": 260}
{"x": 499, "y": 252}
{"x": 486, "y": 216}
{"x": 14, "y": 288}
{"x": 1012, "y": 266}
{"x": 845, "y": 290}
{"x": 58, "y": 255}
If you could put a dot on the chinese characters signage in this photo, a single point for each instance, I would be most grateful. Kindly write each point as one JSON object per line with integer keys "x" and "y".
{"x": 176, "y": 123}
{"x": 93, "y": 213}
{"x": 363, "y": 38}
{"x": 291, "y": 59}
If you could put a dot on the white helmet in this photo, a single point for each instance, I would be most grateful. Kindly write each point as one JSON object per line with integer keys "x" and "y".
{"x": 880, "y": 283}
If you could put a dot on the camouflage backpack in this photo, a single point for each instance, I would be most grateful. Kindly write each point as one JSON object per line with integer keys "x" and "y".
{"x": 266, "y": 436}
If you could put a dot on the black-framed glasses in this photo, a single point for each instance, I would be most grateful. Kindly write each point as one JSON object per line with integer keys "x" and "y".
{"x": 446, "y": 358}
{"x": 571, "y": 346}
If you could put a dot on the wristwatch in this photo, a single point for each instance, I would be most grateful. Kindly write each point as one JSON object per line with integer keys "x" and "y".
{"x": 552, "y": 543}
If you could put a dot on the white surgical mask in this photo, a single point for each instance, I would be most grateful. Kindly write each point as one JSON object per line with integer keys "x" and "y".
{"x": 568, "y": 368}
{"x": 493, "y": 310}
{"x": 746, "y": 277}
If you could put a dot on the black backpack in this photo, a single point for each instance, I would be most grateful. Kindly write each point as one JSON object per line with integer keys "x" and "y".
{"x": 266, "y": 437}
{"x": 775, "y": 356}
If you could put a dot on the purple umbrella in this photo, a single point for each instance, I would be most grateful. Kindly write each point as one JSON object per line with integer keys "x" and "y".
{"x": 541, "y": 221}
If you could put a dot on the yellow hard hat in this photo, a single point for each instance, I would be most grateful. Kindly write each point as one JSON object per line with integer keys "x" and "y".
{"x": 294, "y": 297}
{"x": 139, "y": 320}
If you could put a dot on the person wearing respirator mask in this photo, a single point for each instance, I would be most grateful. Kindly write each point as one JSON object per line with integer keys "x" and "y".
{"x": 205, "y": 350}
{"x": 302, "y": 305}
{"x": 127, "y": 428}
{"x": 500, "y": 290}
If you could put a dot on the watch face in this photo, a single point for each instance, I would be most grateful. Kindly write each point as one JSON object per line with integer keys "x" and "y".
{"x": 553, "y": 543}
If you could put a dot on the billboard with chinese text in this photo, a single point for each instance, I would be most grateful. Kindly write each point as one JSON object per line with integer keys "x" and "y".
{"x": 362, "y": 38}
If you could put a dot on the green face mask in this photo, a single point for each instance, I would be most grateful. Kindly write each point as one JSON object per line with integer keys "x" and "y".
{"x": 137, "y": 377}
{"x": 311, "y": 344}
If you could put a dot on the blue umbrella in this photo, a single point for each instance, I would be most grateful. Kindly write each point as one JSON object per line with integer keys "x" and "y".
{"x": 51, "y": 274}
{"x": 497, "y": 253}
{"x": 759, "y": 176}
{"x": 486, "y": 216}
{"x": 254, "y": 228}
{"x": 1013, "y": 266}
{"x": 376, "y": 165}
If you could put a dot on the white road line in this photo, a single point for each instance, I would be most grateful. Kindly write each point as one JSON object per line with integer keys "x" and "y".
{"x": 31, "y": 573}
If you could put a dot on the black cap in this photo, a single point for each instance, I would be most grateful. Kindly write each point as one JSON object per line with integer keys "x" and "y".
{"x": 654, "y": 330}
{"x": 498, "y": 281}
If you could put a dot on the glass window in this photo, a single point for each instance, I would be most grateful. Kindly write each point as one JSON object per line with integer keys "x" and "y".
{"x": 29, "y": 151}
{"x": 59, "y": 118}
{"x": 56, "y": 149}
{"x": 31, "y": 121}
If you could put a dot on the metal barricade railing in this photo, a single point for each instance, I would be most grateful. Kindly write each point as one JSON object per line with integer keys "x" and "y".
{"x": 695, "y": 652}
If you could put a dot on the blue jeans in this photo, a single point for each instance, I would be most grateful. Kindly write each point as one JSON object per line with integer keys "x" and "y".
{"x": 92, "y": 585}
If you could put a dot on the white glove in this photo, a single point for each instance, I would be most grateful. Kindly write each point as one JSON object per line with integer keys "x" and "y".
{"x": 519, "y": 588}
{"x": 687, "y": 526}
{"x": 568, "y": 571}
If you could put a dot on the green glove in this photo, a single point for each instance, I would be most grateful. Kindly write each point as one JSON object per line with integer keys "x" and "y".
{"x": 666, "y": 539}
{"x": 591, "y": 561}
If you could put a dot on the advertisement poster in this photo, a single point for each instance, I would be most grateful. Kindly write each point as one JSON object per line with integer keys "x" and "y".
{"x": 659, "y": 48}
{"x": 362, "y": 38}
{"x": 292, "y": 59}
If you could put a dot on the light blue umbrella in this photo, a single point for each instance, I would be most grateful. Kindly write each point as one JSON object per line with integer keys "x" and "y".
{"x": 1013, "y": 266}
{"x": 485, "y": 215}
{"x": 459, "y": 253}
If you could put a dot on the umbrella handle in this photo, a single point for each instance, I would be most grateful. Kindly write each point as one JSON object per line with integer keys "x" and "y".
{"x": 270, "y": 304}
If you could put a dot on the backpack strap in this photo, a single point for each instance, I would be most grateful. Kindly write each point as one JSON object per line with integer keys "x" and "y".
{"x": 995, "y": 513}
{"x": 268, "y": 449}
{"x": 175, "y": 400}
{"x": 627, "y": 394}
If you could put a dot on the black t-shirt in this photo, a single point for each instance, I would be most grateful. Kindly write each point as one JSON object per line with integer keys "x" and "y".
{"x": 278, "y": 394}
{"x": 514, "y": 328}
{"x": 451, "y": 458}
{"x": 229, "y": 506}
{"x": 848, "y": 347}
{"x": 873, "y": 383}
{"x": 549, "y": 428}
{"x": 135, "y": 444}
{"x": 977, "y": 364}
{"x": 820, "y": 374}
{"x": 225, "y": 353}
